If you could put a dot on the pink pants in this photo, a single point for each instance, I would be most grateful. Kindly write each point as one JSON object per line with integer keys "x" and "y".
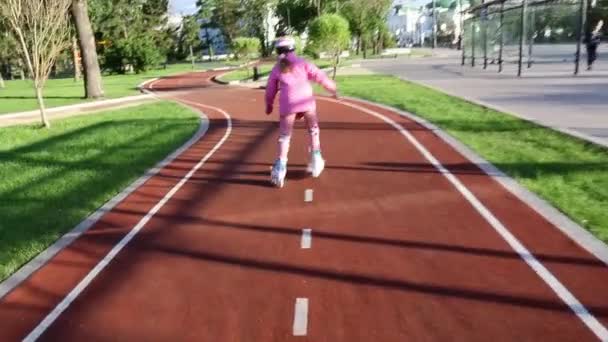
{"x": 286, "y": 129}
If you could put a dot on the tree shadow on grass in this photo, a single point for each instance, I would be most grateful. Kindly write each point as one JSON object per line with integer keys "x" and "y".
{"x": 53, "y": 184}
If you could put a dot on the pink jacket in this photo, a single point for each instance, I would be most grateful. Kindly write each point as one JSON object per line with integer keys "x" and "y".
{"x": 296, "y": 95}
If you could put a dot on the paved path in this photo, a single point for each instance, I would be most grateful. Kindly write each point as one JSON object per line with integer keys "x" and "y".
{"x": 404, "y": 239}
{"x": 548, "y": 93}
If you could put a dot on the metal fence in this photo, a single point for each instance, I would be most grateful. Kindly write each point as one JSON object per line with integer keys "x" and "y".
{"x": 524, "y": 33}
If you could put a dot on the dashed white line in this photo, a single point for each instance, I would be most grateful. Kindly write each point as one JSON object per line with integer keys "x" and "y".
{"x": 300, "y": 317}
{"x": 306, "y": 238}
{"x": 308, "y": 194}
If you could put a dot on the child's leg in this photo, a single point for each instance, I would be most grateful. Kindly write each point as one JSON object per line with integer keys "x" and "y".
{"x": 313, "y": 129}
{"x": 285, "y": 131}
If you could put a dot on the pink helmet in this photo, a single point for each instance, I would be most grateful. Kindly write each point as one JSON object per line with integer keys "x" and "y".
{"x": 284, "y": 45}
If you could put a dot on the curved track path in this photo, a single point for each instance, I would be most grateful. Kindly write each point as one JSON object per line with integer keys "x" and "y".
{"x": 404, "y": 240}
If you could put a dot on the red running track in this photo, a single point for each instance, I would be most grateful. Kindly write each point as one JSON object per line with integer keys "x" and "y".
{"x": 397, "y": 252}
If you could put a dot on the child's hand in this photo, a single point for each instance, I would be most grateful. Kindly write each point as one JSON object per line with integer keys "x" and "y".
{"x": 268, "y": 109}
{"x": 336, "y": 96}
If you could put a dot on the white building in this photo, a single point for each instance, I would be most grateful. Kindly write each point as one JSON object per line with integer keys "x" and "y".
{"x": 412, "y": 21}
{"x": 409, "y": 22}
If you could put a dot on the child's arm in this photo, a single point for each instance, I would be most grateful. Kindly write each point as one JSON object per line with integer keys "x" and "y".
{"x": 317, "y": 75}
{"x": 272, "y": 88}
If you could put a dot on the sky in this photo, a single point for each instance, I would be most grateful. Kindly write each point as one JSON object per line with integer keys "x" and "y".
{"x": 183, "y": 6}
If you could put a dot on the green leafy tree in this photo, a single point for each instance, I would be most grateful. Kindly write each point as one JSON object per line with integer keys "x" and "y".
{"x": 224, "y": 15}
{"x": 136, "y": 53}
{"x": 367, "y": 19}
{"x": 296, "y": 15}
{"x": 8, "y": 51}
{"x": 244, "y": 48}
{"x": 255, "y": 21}
{"x": 187, "y": 37}
{"x": 329, "y": 33}
{"x": 124, "y": 26}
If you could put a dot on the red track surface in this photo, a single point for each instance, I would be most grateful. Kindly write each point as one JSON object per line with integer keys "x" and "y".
{"x": 397, "y": 253}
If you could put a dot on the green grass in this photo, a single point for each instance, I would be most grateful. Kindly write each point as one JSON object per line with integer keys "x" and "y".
{"x": 264, "y": 69}
{"x": 53, "y": 179}
{"x": 18, "y": 96}
{"x": 570, "y": 174}
{"x": 246, "y": 74}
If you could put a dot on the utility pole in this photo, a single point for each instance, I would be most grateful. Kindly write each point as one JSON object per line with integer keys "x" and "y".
{"x": 523, "y": 29}
{"x": 434, "y": 26}
{"x": 580, "y": 34}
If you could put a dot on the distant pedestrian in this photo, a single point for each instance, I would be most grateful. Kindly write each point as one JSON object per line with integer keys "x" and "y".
{"x": 592, "y": 42}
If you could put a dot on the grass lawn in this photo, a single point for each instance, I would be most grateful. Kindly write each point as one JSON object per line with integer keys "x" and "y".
{"x": 570, "y": 174}
{"x": 264, "y": 69}
{"x": 53, "y": 179}
{"x": 18, "y": 96}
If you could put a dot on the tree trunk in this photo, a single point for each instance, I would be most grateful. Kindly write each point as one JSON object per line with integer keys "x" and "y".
{"x": 336, "y": 63}
{"x": 192, "y": 58}
{"x": 76, "y": 62}
{"x": 40, "y": 99}
{"x": 1, "y": 80}
{"x": 92, "y": 74}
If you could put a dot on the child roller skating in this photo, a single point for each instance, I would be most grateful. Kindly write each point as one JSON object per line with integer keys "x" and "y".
{"x": 292, "y": 75}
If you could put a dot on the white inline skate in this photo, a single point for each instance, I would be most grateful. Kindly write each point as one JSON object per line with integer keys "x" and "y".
{"x": 278, "y": 173}
{"x": 317, "y": 164}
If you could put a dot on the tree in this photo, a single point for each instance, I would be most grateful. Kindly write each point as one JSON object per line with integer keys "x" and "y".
{"x": 244, "y": 48}
{"x": 294, "y": 15}
{"x": 255, "y": 23}
{"x": 188, "y": 37}
{"x": 76, "y": 61}
{"x": 205, "y": 15}
{"x": 225, "y": 15}
{"x": 8, "y": 51}
{"x": 136, "y": 53}
{"x": 297, "y": 15}
{"x": 93, "y": 88}
{"x": 367, "y": 19}
{"x": 329, "y": 33}
{"x": 42, "y": 29}
{"x": 128, "y": 26}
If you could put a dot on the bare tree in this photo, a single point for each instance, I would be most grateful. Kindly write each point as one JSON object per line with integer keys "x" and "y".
{"x": 41, "y": 28}
{"x": 88, "y": 52}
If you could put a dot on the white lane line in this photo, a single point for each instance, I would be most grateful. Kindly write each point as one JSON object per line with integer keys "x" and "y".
{"x": 65, "y": 303}
{"x": 306, "y": 238}
{"x": 300, "y": 317}
{"x": 560, "y": 290}
{"x": 308, "y": 195}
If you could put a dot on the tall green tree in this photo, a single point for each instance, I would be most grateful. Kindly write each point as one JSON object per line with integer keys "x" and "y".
{"x": 367, "y": 19}
{"x": 132, "y": 33}
{"x": 187, "y": 37}
{"x": 329, "y": 33}
{"x": 8, "y": 51}
{"x": 255, "y": 23}
{"x": 222, "y": 14}
{"x": 296, "y": 15}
